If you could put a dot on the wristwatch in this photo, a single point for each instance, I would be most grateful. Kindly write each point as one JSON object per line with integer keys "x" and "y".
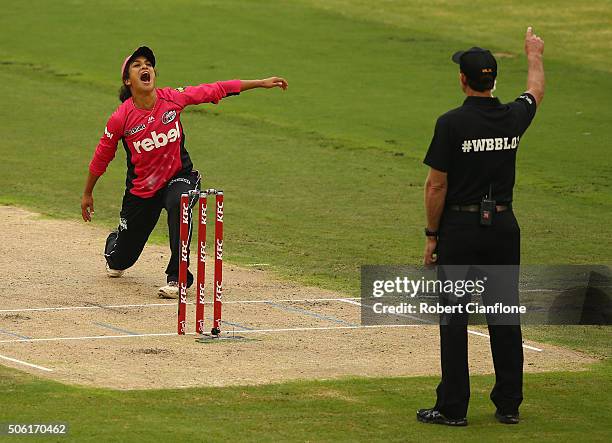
{"x": 429, "y": 233}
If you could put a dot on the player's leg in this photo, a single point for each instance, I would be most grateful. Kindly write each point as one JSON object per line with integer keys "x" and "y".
{"x": 172, "y": 197}
{"x": 138, "y": 217}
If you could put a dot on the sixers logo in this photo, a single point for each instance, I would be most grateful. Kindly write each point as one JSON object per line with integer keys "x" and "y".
{"x": 168, "y": 117}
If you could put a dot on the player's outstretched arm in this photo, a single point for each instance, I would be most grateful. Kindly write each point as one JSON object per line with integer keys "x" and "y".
{"x": 534, "y": 48}
{"x": 267, "y": 83}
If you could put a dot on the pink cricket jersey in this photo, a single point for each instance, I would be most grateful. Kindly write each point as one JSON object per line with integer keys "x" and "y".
{"x": 154, "y": 140}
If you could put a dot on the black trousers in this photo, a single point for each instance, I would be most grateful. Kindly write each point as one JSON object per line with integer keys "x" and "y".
{"x": 139, "y": 216}
{"x": 462, "y": 241}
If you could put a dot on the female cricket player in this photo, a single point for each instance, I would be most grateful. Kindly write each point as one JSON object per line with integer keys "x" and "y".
{"x": 159, "y": 169}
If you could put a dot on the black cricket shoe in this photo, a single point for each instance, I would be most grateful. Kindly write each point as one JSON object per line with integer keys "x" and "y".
{"x": 432, "y": 416}
{"x": 507, "y": 419}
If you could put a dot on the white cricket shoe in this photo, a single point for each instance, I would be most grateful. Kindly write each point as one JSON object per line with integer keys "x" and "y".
{"x": 113, "y": 273}
{"x": 171, "y": 290}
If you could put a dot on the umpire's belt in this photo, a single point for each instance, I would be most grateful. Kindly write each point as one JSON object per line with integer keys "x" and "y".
{"x": 476, "y": 208}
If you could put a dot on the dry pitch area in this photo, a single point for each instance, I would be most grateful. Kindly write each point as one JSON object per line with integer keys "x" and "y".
{"x": 62, "y": 318}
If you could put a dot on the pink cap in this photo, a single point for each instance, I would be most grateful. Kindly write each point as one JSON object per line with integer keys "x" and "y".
{"x": 144, "y": 51}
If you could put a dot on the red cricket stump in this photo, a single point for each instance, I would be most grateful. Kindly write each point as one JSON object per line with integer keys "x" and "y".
{"x": 218, "y": 288}
{"x": 200, "y": 280}
{"x": 184, "y": 257}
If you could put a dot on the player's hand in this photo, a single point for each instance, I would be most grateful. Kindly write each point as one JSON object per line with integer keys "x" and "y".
{"x": 430, "y": 257}
{"x": 534, "y": 45}
{"x": 87, "y": 207}
{"x": 274, "y": 82}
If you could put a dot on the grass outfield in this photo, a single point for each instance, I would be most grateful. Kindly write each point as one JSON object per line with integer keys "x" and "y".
{"x": 318, "y": 180}
{"x": 557, "y": 407}
{"x": 327, "y": 176}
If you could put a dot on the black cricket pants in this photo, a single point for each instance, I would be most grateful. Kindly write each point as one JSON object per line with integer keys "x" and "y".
{"x": 139, "y": 216}
{"x": 462, "y": 241}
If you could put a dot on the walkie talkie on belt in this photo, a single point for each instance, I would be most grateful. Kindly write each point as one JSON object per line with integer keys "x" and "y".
{"x": 487, "y": 208}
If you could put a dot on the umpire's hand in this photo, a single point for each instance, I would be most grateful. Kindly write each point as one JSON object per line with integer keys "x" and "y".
{"x": 430, "y": 255}
{"x": 534, "y": 45}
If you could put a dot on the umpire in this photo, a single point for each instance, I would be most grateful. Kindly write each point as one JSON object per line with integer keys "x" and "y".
{"x": 472, "y": 160}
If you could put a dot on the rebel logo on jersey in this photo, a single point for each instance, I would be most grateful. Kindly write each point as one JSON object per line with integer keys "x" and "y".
{"x": 158, "y": 140}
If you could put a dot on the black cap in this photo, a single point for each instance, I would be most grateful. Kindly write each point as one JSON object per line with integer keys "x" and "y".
{"x": 144, "y": 51}
{"x": 478, "y": 65}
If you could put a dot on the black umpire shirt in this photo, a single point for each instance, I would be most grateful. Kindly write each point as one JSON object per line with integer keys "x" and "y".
{"x": 476, "y": 145}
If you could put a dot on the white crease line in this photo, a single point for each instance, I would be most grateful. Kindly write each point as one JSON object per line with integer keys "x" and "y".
{"x": 533, "y": 348}
{"x": 173, "y": 304}
{"x": 92, "y": 337}
{"x": 482, "y": 334}
{"x": 169, "y": 334}
{"x": 239, "y": 331}
{"x": 14, "y": 360}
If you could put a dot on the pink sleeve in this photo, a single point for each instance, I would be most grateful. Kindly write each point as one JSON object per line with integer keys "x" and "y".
{"x": 205, "y": 93}
{"x": 107, "y": 147}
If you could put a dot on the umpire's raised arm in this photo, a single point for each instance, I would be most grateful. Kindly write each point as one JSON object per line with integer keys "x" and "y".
{"x": 534, "y": 48}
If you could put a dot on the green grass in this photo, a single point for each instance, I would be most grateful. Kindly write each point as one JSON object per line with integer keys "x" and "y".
{"x": 594, "y": 340}
{"x": 327, "y": 176}
{"x": 318, "y": 180}
{"x": 557, "y": 407}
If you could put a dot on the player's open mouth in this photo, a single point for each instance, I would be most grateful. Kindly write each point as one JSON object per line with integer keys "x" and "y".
{"x": 145, "y": 77}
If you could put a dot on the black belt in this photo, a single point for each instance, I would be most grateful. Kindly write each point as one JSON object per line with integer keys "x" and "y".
{"x": 476, "y": 208}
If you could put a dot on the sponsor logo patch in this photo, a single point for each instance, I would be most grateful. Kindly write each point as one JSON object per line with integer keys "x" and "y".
{"x": 526, "y": 98}
{"x": 218, "y": 292}
{"x": 168, "y": 117}
{"x": 219, "y": 249}
{"x": 108, "y": 134}
{"x": 179, "y": 179}
{"x": 181, "y": 89}
{"x": 201, "y": 294}
{"x": 134, "y": 130}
